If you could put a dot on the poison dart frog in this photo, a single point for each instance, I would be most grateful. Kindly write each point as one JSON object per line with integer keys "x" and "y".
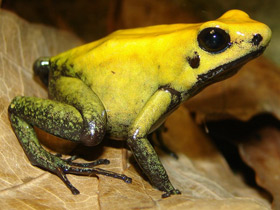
{"x": 124, "y": 86}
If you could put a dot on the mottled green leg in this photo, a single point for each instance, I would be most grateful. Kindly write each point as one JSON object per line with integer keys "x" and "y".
{"x": 143, "y": 151}
{"x": 41, "y": 158}
{"x": 66, "y": 121}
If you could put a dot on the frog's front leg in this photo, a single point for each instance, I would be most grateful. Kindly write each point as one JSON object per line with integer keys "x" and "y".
{"x": 160, "y": 104}
{"x": 80, "y": 118}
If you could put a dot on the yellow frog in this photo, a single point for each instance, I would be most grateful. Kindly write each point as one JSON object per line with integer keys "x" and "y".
{"x": 126, "y": 84}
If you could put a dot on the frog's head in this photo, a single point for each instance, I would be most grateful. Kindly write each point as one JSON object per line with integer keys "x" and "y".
{"x": 223, "y": 46}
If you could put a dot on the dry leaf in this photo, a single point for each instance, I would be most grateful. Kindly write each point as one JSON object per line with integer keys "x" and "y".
{"x": 262, "y": 153}
{"x": 253, "y": 91}
{"x": 136, "y": 13}
{"x": 205, "y": 180}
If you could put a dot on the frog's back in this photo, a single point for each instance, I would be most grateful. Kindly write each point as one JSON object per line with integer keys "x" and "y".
{"x": 122, "y": 70}
{"x": 129, "y": 56}
{"x": 125, "y": 68}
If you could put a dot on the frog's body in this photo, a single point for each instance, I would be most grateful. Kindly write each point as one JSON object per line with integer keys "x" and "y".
{"x": 126, "y": 84}
{"x": 111, "y": 65}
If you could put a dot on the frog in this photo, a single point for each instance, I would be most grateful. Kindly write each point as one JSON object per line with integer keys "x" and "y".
{"x": 125, "y": 85}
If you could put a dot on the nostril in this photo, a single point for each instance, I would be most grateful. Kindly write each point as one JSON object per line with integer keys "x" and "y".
{"x": 257, "y": 39}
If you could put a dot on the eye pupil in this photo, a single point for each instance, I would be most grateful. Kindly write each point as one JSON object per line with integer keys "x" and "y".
{"x": 213, "y": 40}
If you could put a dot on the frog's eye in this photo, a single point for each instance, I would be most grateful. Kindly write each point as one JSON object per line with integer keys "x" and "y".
{"x": 213, "y": 40}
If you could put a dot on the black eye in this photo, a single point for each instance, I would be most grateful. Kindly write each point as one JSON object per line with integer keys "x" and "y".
{"x": 213, "y": 40}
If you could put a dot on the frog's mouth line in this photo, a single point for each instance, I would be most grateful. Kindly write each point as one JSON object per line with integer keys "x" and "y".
{"x": 222, "y": 72}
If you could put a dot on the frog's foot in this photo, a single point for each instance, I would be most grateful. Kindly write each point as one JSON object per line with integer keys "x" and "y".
{"x": 62, "y": 167}
{"x": 90, "y": 164}
{"x": 172, "y": 192}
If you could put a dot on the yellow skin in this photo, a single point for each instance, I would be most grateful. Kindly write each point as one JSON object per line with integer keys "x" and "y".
{"x": 127, "y": 83}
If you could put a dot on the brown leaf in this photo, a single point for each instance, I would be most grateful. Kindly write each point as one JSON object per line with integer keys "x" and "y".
{"x": 144, "y": 13}
{"x": 205, "y": 180}
{"x": 254, "y": 90}
{"x": 262, "y": 153}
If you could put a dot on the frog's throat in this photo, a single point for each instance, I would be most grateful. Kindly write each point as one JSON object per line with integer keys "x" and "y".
{"x": 222, "y": 72}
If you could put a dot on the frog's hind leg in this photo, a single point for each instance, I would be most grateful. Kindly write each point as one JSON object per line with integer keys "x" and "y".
{"x": 63, "y": 120}
{"x": 24, "y": 112}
